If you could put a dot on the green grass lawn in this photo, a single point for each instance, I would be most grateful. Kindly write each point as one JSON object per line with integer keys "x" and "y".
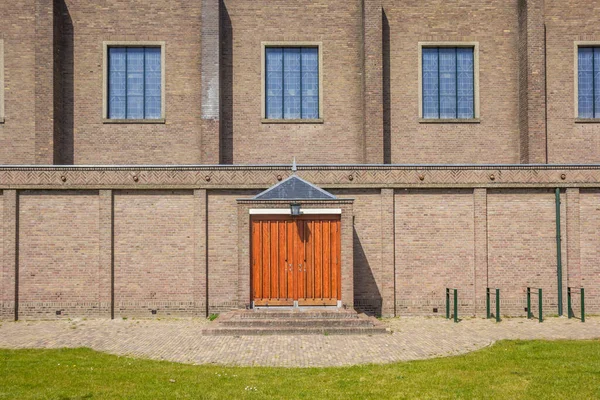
{"x": 508, "y": 370}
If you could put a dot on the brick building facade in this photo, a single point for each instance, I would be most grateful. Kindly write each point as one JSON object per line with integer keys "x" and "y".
{"x": 111, "y": 215}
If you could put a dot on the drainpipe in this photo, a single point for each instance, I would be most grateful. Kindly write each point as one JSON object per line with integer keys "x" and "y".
{"x": 558, "y": 254}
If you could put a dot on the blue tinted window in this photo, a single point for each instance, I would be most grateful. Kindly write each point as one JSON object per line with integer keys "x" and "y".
{"x": 134, "y": 83}
{"x": 448, "y": 82}
{"x": 588, "y": 82}
{"x": 292, "y": 83}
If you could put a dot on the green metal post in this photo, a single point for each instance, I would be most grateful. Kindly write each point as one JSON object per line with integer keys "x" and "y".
{"x": 455, "y": 305}
{"x": 487, "y": 303}
{"x": 582, "y": 305}
{"x": 497, "y": 305}
{"x": 528, "y": 303}
{"x": 447, "y": 303}
{"x": 541, "y": 318}
{"x": 569, "y": 310}
{"x": 558, "y": 254}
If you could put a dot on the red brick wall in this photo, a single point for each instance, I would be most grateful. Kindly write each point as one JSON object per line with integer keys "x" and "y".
{"x": 568, "y": 21}
{"x": 338, "y": 25}
{"x": 590, "y": 249}
{"x": 58, "y": 254}
{"x": 434, "y": 249}
{"x": 153, "y": 253}
{"x": 17, "y": 134}
{"x": 494, "y": 24}
{"x": 176, "y": 23}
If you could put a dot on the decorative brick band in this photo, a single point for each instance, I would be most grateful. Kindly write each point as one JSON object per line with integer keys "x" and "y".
{"x": 327, "y": 176}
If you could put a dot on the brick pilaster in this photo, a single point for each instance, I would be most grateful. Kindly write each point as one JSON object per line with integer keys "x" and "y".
{"x": 106, "y": 260}
{"x": 373, "y": 81}
{"x": 210, "y": 82}
{"x": 532, "y": 82}
{"x": 480, "y": 274}
{"x": 44, "y": 82}
{"x": 388, "y": 262}
{"x": 200, "y": 253}
{"x": 347, "y": 227}
{"x": 9, "y": 259}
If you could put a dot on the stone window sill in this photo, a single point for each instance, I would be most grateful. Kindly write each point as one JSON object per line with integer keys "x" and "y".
{"x": 133, "y": 121}
{"x": 449, "y": 121}
{"x": 587, "y": 120}
{"x": 292, "y": 121}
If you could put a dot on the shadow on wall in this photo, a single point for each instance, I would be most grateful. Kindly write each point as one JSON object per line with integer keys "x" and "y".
{"x": 63, "y": 92}
{"x": 226, "y": 84}
{"x": 387, "y": 117}
{"x": 367, "y": 297}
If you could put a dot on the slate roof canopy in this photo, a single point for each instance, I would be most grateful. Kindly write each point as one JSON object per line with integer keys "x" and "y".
{"x": 295, "y": 188}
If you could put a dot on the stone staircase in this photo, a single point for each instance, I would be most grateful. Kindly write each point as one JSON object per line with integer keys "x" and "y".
{"x": 294, "y": 322}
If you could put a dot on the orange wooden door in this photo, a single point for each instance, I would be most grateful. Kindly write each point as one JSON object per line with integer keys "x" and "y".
{"x": 319, "y": 278}
{"x": 296, "y": 259}
{"x": 273, "y": 262}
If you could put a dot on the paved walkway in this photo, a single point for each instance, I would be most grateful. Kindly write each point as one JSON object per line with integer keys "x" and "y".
{"x": 181, "y": 341}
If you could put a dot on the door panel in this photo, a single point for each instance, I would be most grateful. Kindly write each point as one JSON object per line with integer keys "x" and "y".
{"x": 296, "y": 259}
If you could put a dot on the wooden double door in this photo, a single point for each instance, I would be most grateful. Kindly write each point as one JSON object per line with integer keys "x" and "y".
{"x": 296, "y": 259}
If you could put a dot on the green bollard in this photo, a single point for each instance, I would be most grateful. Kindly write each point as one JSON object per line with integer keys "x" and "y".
{"x": 541, "y": 318}
{"x": 455, "y": 305}
{"x": 582, "y": 305}
{"x": 528, "y": 303}
{"x": 487, "y": 303}
{"x": 447, "y": 303}
{"x": 569, "y": 311}
{"x": 497, "y": 305}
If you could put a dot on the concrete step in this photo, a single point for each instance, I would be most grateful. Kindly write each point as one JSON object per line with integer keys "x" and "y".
{"x": 263, "y": 314}
{"x": 297, "y": 322}
{"x": 254, "y": 331}
{"x": 306, "y": 322}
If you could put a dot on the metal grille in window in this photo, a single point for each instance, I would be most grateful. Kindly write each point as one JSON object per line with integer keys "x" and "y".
{"x": 448, "y": 83}
{"x": 292, "y": 83}
{"x": 134, "y": 83}
{"x": 588, "y": 82}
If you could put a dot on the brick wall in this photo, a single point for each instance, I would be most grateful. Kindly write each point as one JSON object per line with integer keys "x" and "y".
{"x": 58, "y": 254}
{"x": 434, "y": 249}
{"x": 17, "y": 134}
{"x": 590, "y": 250}
{"x": 223, "y": 249}
{"x": 522, "y": 247}
{"x": 176, "y": 23}
{"x": 566, "y": 22}
{"x": 338, "y": 25}
{"x": 368, "y": 266}
{"x": 153, "y": 253}
{"x": 494, "y": 24}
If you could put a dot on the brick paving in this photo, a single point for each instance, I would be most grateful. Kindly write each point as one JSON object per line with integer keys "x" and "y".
{"x": 181, "y": 341}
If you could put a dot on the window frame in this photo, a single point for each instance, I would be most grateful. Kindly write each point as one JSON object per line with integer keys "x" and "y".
{"x": 475, "y": 47}
{"x": 1, "y": 81}
{"x": 577, "y": 46}
{"x": 111, "y": 44}
{"x": 264, "y": 46}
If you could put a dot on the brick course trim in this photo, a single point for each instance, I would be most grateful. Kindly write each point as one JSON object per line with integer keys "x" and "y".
{"x": 327, "y": 176}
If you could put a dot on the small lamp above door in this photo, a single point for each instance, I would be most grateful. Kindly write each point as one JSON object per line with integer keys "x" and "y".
{"x": 295, "y": 209}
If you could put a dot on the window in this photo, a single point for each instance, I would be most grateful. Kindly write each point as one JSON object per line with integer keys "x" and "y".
{"x": 588, "y": 82}
{"x": 134, "y": 82}
{"x": 448, "y": 83}
{"x": 292, "y": 82}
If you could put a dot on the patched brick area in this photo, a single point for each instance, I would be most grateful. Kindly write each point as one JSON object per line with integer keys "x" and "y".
{"x": 58, "y": 254}
{"x": 434, "y": 249}
{"x": 413, "y": 338}
{"x": 154, "y": 253}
